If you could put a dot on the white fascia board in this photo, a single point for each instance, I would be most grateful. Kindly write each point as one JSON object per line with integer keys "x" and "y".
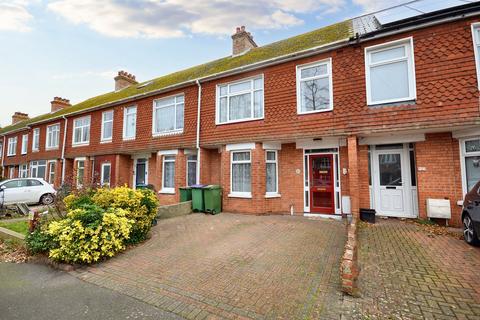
{"x": 241, "y": 146}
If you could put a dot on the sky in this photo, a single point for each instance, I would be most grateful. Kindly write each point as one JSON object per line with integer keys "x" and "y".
{"x": 74, "y": 48}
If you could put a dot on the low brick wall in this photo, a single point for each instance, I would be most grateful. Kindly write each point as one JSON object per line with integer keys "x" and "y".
{"x": 175, "y": 210}
{"x": 349, "y": 268}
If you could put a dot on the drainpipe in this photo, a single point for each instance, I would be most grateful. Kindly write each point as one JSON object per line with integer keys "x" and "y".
{"x": 3, "y": 155}
{"x": 198, "y": 128}
{"x": 63, "y": 149}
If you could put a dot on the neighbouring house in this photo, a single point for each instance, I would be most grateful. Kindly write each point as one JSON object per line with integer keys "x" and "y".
{"x": 379, "y": 111}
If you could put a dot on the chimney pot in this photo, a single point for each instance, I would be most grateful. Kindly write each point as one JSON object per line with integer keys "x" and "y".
{"x": 59, "y": 103}
{"x": 242, "y": 41}
{"x": 123, "y": 80}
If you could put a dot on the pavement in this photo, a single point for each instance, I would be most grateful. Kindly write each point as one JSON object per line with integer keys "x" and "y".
{"x": 29, "y": 291}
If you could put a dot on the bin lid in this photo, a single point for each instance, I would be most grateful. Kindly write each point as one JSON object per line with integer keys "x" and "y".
{"x": 213, "y": 186}
{"x": 198, "y": 186}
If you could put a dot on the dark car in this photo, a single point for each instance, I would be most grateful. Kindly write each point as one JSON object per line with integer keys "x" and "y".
{"x": 471, "y": 215}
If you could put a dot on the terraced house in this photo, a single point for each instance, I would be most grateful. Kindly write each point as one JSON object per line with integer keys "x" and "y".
{"x": 380, "y": 111}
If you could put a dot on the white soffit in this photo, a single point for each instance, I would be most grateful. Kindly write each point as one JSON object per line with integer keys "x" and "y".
{"x": 322, "y": 143}
{"x": 167, "y": 152}
{"x": 272, "y": 146}
{"x": 389, "y": 139}
{"x": 466, "y": 133}
{"x": 241, "y": 146}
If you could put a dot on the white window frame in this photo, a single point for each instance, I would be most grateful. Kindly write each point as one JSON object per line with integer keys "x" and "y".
{"x": 196, "y": 168}
{"x": 156, "y": 109}
{"x": 102, "y": 176}
{"x": 252, "y": 92}
{"x": 463, "y": 155}
{"x": 164, "y": 159}
{"x": 82, "y": 128}
{"x": 102, "y": 133}
{"x": 11, "y": 172}
{"x": 24, "y": 144}
{"x": 50, "y": 171}
{"x": 275, "y": 193}
{"x": 125, "y": 114}
{"x": 410, "y": 58}
{"x": 50, "y": 131}
{"x": 23, "y": 170}
{"x": 12, "y": 146}
{"x": 1, "y": 148}
{"x": 35, "y": 165}
{"x": 82, "y": 160}
{"x": 238, "y": 194}
{"x": 36, "y": 140}
{"x": 476, "y": 48}
{"x": 329, "y": 75}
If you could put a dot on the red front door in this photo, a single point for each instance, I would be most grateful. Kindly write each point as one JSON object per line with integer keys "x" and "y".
{"x": 322, "y": 184}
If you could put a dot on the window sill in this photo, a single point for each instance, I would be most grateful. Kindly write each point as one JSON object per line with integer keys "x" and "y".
{"x": 238, "y": 121}
{"x": 393, "y": 103}
{"x": 105, "y": 141}
{"x": 24, "y": 153}
{"x": 51, "y": 149}
{"x": 245, "y": 195}
{"x": 167, "y": 191}
{"x": 167, "y": 133}
{"x": 129, "y": 139}
{"x": 272, "y": 195}
{"x": 301, "y": 113}
{"x": 35, "y": 150}
{"x": 74, "y": 145}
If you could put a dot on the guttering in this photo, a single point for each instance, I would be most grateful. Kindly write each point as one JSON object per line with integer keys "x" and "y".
{"x": 63, "y": 148}
{"x": 199, "y": 104}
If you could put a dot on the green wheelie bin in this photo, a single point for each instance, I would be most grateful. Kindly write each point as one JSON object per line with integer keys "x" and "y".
{"x": 185, "y": 194}
{"x": 198, "y": 204}
{"x": 213, "y": 199}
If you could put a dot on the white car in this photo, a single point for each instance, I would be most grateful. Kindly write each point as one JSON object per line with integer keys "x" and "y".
{"x": 27, "y": 190}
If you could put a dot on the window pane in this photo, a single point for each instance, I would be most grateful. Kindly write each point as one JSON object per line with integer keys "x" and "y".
{"x": 179, "y": 124}
{"x": 223, "y": 90}
{"x": 241, "y": 156}
{"x": 258, "y": 83}
{"x": 108, "y": 116}
{"x": 472, "y": 146}
{"x": 130, "y": 125}
{"x": 242, "y": 86}
{"x": 165, "y": 118}
{"x": 258, "y": 104}
{"x": 388, "y": 54}
{"x": 86, "y": 134}
{"x": 413, "y": 168}
{"x": 41, "y": 171}
{"x": 169, "y": 175}
{"x": 389, "y": 81}
{"x": 315, "y": 94}
{"x": 271, "y": 155}
{"x": 241, "y": 177}
{"x": 192, "y": 173}
{"x": 106, "y": 174}
{"x": 390, "y": 169}
{"x": 223, "y": 109}
{"x": 472, "y": 171}
{"x": 107, "y": 130}
{"x": 271, "y": 177}
{"x": 240, "y": 107}
{"x": 78, "y": 135}
{"x": 314, "y": 71}
{"x": 165, "y": 102}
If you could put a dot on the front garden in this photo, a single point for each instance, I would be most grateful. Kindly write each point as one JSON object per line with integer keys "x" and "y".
{"x": 92, "y": 225}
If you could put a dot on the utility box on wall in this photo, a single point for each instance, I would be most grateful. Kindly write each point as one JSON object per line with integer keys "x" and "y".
{"x": 438, "y": 208}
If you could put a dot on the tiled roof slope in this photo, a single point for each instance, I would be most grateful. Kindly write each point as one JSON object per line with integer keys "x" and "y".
{"x": 322, "y": 36}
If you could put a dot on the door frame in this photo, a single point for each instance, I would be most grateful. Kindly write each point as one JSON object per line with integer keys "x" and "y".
{"x": 408, "y": 189}
{"x": 135, "y": 162}
{"x": 336, "y": 177}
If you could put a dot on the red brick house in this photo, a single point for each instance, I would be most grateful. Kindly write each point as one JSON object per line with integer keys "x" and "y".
{"x": 366, "y": 113}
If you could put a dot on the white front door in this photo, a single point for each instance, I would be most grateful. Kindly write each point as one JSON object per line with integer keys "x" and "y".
{"x": 392, "y": 185}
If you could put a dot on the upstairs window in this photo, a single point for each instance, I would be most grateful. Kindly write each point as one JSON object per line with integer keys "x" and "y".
{"x": 130, "y": 123}
{"x": 107, "y": 126}
{"x": 240, "y": 101}
{"x": 314, "y": 87}
{"x": 36, "y": 139}
{"x": 24, "y": 143}
{"x": 476, "y": 48}
{"x": 168, "y": 115}
{"x": 12, "y": 146}
{"x": 390, "y": 72}
{"x": 81, "y": 131}
{"x": 53, "y": 136}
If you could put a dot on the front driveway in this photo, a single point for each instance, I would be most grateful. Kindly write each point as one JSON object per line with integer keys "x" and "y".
{"x": 234, "y": 267}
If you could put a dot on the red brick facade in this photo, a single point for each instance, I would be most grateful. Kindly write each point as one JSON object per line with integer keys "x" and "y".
{"x": 447, "y": 100}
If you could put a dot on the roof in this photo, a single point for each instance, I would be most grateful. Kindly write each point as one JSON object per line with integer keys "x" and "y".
{"x": 322, "y": 36}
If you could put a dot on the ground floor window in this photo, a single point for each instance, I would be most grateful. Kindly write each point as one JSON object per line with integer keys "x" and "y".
{"x": 80, "y": 172}
{"x": 105, "y": 174}
{"x": 51, "y": 172}
{"x": 192, "y": 170}
{"x": 11, "y": 172}
{"x": 38, "y": 169}
{"x": 168, "y": 180}
{"x": 272, "y": 172}
{"x": 23, "y": 173}
{"x": 470, "y": 162}
{"x": 241, "y": 173}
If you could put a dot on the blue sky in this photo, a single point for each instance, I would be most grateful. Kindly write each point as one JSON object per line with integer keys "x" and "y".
{"x": 73, "y": 48}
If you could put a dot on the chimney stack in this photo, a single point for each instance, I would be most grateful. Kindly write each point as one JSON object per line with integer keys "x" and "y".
{"x": 19, "y": 116}
{"x": 123, "y": 80}
{"x": 59, "y": 103}
{"x": 242, "y": 41}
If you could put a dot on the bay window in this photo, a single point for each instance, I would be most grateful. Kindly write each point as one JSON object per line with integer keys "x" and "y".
{"x": 314, "y": 87}
{"x": 191, "y": 170}
{"x": 12, "y": 146}
{"x": 168, "y": 114}
{"x": 390, "y": 72}
{"x": 107, "y": 126}
{"x": 53, "y": 136}
{"x": 168, "y": 179}
{"x": 38, "y": 169}
{"x": 23, "y": 171}
{"x": 129, "y": 123}
{"x": 81, "y": 131}
{"x": 470, "y": 151}
{"x": 240, "y": 101}
{"x": 272, "y": 172}
{"x": 36, "y": 139}
{"x": 241, "y": 167}
{"x": 24, "y": 143}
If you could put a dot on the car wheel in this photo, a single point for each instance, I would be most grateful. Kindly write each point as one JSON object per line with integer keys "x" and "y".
{"x": 47, "y": 199}
{"x": 469, "y": 233}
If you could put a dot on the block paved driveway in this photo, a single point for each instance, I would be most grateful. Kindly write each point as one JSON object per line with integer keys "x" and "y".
{"x": 409, "y": 273}
{"x": 234, "y": 267}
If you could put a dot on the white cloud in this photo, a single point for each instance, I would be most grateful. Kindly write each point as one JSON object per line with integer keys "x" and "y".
{"x": 14, "y": 16}
{"x": 175, "y": 18}
{"x": 375, "y": 5}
